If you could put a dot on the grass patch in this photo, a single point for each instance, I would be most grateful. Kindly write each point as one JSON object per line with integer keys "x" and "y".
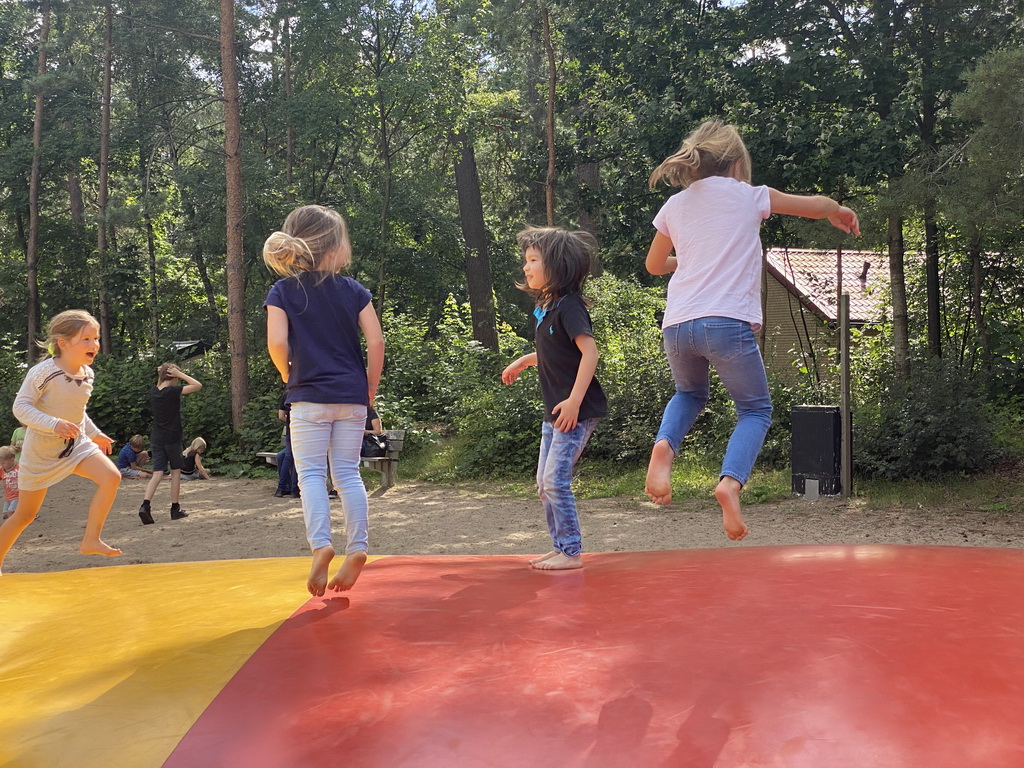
{"x": 989, "y": 492}
{"x": 694, "y": 478}
{"x": 439, "y": 462}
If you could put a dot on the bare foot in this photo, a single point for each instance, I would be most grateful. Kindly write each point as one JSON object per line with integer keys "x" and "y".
{"x": 317, "y": 582}
{"x": 98, "y": 547}
{"x": 659, "y": 473}
{"x": 542, "y": 558}
{"x": 349, "y": 572}
{"x": 728, "y": 494}
{"x": 559, "y": 562}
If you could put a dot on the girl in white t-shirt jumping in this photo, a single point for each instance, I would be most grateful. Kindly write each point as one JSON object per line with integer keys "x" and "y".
{"x": 714, "y": 299}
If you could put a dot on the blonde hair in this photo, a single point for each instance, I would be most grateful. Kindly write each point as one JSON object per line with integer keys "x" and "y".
{"x": 137, "y": 442}
{"x": 713, "y": 149}
{"x": 6, "y": 453}
{"x": 198, "y": 445}
{"x": 308, "y": 237}
{"x": 66, "y": 325}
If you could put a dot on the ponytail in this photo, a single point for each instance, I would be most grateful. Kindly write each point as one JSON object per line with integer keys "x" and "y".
{"x": 713, "y": 149}
{"x": 288, "y": 255}
{"x": 313, "y": 239}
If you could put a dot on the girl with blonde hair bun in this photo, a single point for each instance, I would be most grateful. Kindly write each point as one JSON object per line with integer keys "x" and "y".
{"x": 313, "y": 239}
{"x": 708, "y": 240}
{"x": 314, "y": 320}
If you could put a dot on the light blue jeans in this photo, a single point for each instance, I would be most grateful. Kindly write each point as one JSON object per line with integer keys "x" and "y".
{"x": 730, "y": 346}
{"x": 559, "y": 452}
{"x": 319, "y": 429}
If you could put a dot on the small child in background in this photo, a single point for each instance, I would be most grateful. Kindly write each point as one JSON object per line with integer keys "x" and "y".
{"x": 61, "y": 438}
{"x": 132, "y": 458}
{"x": 191, "y": 465}
{"x": 17, "y": 440}
{"x": 714, "y": 300}
{"x": 9, "y": 475}
{"x": 556, "y": 265}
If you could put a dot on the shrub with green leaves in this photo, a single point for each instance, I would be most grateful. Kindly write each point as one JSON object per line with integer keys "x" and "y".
{"x": 935, "y": 424}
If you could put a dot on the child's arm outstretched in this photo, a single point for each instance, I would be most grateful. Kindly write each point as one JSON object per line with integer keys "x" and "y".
{"x": 369, "y": 324}
{"x": 203, "y": 472}
{"x": 567, "y": 412}
{"x": 517, "y": 366}
{"x": 659, "y": 261}
{"x": 814, "y": 207}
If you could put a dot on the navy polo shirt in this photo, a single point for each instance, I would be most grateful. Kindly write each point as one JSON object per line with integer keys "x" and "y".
{"x": 327, "y": 363}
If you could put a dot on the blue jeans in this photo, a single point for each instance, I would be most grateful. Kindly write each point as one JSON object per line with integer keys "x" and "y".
{"x": 319, "y": 429}
{"x": 287, "y": 480}
{"x": 559, "y": 452}
{"x": 730, "y": 346}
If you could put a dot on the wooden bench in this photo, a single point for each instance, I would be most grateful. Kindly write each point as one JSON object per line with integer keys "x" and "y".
{"x": 387, "y": 464}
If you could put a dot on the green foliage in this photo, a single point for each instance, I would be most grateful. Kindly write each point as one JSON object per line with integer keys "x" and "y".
{"x": 934, "y": 425}
{"x": 120, "y": 397}
{"x": 632, "y": 368}
{"x": 12, "y": 373}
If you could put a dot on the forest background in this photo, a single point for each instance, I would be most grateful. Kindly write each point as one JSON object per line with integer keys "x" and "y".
{"x": 148, "y": 147}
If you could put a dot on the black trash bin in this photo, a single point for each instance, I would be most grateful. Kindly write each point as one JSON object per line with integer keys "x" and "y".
{"x": 817, "y": 448}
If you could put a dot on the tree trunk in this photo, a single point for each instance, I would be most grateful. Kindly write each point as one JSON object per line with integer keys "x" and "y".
{"x": 977, "y": 309}
{"x": 290, "y": 135}
{"x": 549, "y": 183}
{"x": 235, "y": 223}
{"x": 898, "y": 288}
{"x": 104, "y": 178}
{"x": 32, "y": 248}
{"x": 76, "y": 204}
{"x": 931, "y": 266}
{"x": 474, "y": 232}
{"x": 154, "y": 314}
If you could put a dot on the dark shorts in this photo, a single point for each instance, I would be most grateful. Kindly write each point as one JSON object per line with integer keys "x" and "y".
{"x": 167, "y": 453}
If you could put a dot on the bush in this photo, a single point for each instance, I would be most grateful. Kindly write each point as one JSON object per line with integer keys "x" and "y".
{"x": 632, "y": 370}
{"x": 935, "y": 424}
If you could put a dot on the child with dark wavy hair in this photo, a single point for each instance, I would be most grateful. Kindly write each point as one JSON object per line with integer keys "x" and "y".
{"x": 556, "y": 264}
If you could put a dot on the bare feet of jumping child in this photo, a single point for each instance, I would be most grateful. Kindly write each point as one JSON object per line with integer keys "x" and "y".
{"x": 349, "y": 571}
{"x": 317, "y": 583}
{"x": 542, "y": 558}
{"x": 559, "y": 562}
{"x": 659, "y": 473}
{"x": 98, "y": 547}
{"x": 728, "y": 494}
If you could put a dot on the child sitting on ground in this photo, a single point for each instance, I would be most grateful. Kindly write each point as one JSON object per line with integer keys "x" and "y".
{"x": 191, "y": 465}
{"x": 132, "y": 458}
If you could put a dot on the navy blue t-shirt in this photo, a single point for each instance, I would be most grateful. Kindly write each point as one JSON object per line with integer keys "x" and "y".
{"x": 126, "y": 457}
{"x": 323, "y": 338}
{"x": 558, "y": 357}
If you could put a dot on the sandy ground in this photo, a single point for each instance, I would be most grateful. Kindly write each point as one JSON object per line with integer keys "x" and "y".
{"x": 238, "y": 519}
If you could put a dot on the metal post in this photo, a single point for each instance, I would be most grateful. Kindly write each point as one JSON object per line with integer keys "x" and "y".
{"x": 846, "y": 442}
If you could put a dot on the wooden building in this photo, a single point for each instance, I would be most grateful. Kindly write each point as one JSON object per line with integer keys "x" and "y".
{"x": 800, "y": 334}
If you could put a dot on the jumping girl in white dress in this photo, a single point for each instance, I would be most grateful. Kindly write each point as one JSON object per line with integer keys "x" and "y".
{"x": 61, "y": 439}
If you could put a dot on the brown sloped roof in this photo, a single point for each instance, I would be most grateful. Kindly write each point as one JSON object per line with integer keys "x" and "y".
{"x": 810, "y": 275}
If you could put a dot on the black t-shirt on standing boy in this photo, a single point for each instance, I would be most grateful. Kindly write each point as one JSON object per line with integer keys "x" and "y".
{"x": 558, "y": 357}
{"x": 166, "y": 406}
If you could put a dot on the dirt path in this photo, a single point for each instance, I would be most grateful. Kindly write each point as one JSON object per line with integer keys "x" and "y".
{"x": 237, "y": 519}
